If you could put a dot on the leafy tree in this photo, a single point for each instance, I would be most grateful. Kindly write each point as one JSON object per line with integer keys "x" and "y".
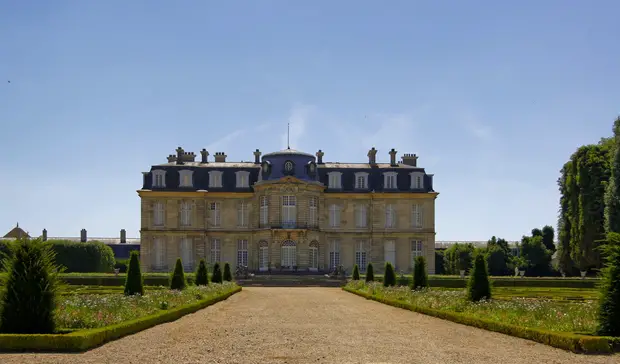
{"x": 565, "y": 262}
{"x": 227, "y": 273}
{"x": 500, "y": 243}
{"x": 134, "y": 283}
{"x": 439, "y": 262}
{"x": 548, "y": 234}
{"x": 612, "y": 193}
{"x": 389, "y": 277}
{"x": 420, "y": 276}
{"x": 177, "y": 281}
{"x": 609, "y": 304}
{"x": 216, "y": 277}
{"x": 458, "y": 257}
{"x": 30, "y": 291}
{"x": 536, "y": 255}
{"x": 478, "y": 286}
{"x": 497, "y": 261}
{"x": 537, "y": 232}
{"x": 370, "y": 274}
{"x": 356, "y": 273}
{"x": 202, "y": 277}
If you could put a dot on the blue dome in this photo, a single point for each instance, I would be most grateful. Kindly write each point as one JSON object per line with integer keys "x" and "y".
{"x": 289, "y": 162}
{"x": 289, "y": 152}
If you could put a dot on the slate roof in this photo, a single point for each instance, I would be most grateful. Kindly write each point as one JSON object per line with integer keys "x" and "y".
{"x": 288, "y": 151}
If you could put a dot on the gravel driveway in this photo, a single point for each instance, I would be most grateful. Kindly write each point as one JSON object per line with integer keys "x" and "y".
{"x": 312, "y": 325}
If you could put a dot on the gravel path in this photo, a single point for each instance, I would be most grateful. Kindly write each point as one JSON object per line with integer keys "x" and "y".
{"x": 312, "y": 325}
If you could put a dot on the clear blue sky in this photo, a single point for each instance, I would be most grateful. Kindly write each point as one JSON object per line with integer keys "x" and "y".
{"x": 492, "y": 96}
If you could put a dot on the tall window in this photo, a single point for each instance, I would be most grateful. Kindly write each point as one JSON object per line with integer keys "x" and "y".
{"x": 334, "y": 180}
{"x": 361, "y": 180}
{"x": 390, "y": 216}
{"x": 159, "y": 253}
{"x": 312, "y": 212}
{"x": 313, "y": 256}
{"x": 185, "y": 178}
{"x": 390, "y": 252}
{"x": 334, "y": 253}
{"x": 417, "y": 180}
{"x": 243, "y": 179}
{"x": 159, "y": 178}
{"x": 289, "y": 210}
{"x": 360, "y": 255}
{"x": 361, "y": 219}
{"x": 264, "y": 210}
{"x": 416, "y": 250}
{"x": 334, "y": 215}
{"x": 158, "y": 214}
{"x": 263, "y": 256}
{"x": 214, "y": 208}
{"x": 288, "y": 254}
{"x": 242, "y": 214}
{"x": 215, "y": 179}
{"x": 389, "y": 181}
{"x": 186, "y": 213}
{"x": 216, "y": 251}
{"x": 242, "y": 253}
{"x": 416, "y": 216}
{"x": 187, "y": 253}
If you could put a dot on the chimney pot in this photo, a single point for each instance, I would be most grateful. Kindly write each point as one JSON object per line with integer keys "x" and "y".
{"x": 204, "y": 155}
{"x": 393, "y": 157}
{"x": 257, "y": 156}
{"x": 319, "y": 157}
{"x": 179, "y": 155}
{"x": 123, "y": 236}
{"x": 83, "y": 237}
{"x": 410, "y": 159}
{"x": 372, "y": 156}
{"x": 220, "y": 157}
{"x": 44, "y": 235}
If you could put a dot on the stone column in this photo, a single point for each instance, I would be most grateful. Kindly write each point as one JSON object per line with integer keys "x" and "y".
{"x": 83, "y": 237}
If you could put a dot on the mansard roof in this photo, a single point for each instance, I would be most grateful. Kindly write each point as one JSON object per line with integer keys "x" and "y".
{"x": 288, "y": 151}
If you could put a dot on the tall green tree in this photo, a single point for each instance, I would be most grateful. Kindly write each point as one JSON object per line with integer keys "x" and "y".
{"x": 479, "y": 286}
{"x": 537, "y": 256}
{"x": 537, "y": 232}
{"x": 609, "y": 303}
{"x": 548, "y": 234}
{"x": 612, "y": 194}
{"x": 565, "y": 262}
{"x": 134, "y": 283}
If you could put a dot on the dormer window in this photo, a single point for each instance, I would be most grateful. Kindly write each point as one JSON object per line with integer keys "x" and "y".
{"x": 243, "y": 179}
{"x": 215, "y": 179}
{"x": 417, "y": 180}
{"x": 361, "y": 180}
{"x": 185, "y": 178}
{"x": 159, "y": 178}
{"x": 335, "y": 180}
{"x": 389, "y": 180}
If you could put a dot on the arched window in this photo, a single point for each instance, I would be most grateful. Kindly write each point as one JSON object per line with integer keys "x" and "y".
{"x": 289, "y": 254}
{"x": 313, "y": 256}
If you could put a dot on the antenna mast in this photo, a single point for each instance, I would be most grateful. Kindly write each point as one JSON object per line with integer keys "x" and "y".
{"x": 288, "y": 136}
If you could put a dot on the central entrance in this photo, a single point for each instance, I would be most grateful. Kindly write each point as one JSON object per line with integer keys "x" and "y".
{"x": 289, "y": 254}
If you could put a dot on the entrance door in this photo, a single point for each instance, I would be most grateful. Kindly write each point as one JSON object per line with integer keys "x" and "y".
{"x": 390, "y": 252}
{"x": 263, "y": 256}
{"x": 289, "y": 254}
{"x": 313, "y": 257}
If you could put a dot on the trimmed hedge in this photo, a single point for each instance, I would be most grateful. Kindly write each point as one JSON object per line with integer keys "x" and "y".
{"x": 567, "y": 341}
{"x": 82, "y": 340}
{"x": 511, "y": 282}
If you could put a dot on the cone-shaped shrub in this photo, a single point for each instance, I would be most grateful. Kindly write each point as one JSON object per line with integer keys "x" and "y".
{"x": 609, "y": 303}
{"x": 177, "y": 281}
{"x": 420, "y": 277}
{"x": 202, "y": 277}
{"x": 479, "y": 286}
{"x": 216, "y": 277}
{"x": 356, "y": 273}
{"x": 133, "y": 283}
{"x": 227, "y": 275}
{"x": 389, "y": 277}
{"x": 370, "y": 274}
{"x": 30, "y": 289}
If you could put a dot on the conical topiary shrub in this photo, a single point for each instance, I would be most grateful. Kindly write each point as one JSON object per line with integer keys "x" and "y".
{"x": 609, "y": 302}
{"x": 30, "y": 289}
{"x": 134, "y": 283}
{"x": 227, "y": 275}
{"x": 177, "y": 281}
{"x": 420, "y": 277}
{"x": 202, "y": 277}
{"x": 479, "y": 286}
{"x": 370, "y": 274}
{"x": 389, "y": 277}
{"x": 217, "y": 274}
{"x": 356, "y": 273}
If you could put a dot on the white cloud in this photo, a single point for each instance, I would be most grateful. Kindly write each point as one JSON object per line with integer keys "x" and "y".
{"x": 298, "y": 117}
{"x": 477, "y": 129}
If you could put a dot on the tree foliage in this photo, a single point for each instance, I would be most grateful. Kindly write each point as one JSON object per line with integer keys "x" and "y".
{"x": 370, "y": 273}
{"x": 134, "y": 283}
{"x": 612, "y": 194}
{"x": 458, "y": 257}
{"x": 478, "y": 286}
{"x": 227, "y": 273}
{"x": 548, "y": 235}
{"x": 389, "y": 277}
{"x": 537, "y": 256}
{"x": 202, "y": 276}
{"x": 609, "y": 303}
{"x": 177, "y": 281}
{"x": 420, "y": 276}
{"x": 356, "y": 273}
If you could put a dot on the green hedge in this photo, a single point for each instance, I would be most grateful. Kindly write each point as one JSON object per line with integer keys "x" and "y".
{"x": 454, "y": 282}
{"x": 568, "y": 341}
{"x": 82, "y": 340}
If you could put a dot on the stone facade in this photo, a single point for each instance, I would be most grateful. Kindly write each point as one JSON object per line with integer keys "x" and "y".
{"x": 299, "y": 221}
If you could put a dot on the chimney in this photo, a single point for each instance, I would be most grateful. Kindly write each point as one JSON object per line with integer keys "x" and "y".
{"x": 44, "y": 235}
{"x": 204, "y": 155}
{"x": 393, "y": 157}
{"x": 257, "y": 156}
{"x": 220, "y": 157}
{"x": 123, "y": 236}
{"x": 319, "y": 157}
{"x": 410, "y": 160}
{"x": 372, "y": 156}
{"x": 179, "y": 155}
{"x": 83, "y": 236}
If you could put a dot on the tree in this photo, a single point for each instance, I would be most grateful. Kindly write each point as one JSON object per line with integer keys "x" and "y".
{"x": 356, "y": 273}
{"x": 478, "y": 286}
{"x": 497, "y": 261}
{"x": 370, "y": 274}
{"x": 537, "y": 232}
{"x": 216, "y": 277}
{"x": 548, "y": 234}
{"x": 458, "y": 257}
{"x": 202, "y": 277}
{"x": 612, "y": 193}
{"x": 227, "y": 273}
{"x": 177, "y": 281}
{"x": 420, "y": 276}
{"x": 30, "y": 292}
{"x": 536, "y": 255}
{"x": 389, "y": 277}
{"x": 134, "y": 284}
{"x": 609, "y": 304}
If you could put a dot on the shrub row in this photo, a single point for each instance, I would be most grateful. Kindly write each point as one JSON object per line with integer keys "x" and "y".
{"x": 568, "y": 341}
{"x": 503, "y": 282}
{"x": 82, "y": 340}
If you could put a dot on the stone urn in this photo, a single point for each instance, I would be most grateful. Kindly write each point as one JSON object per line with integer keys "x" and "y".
{"x": 522, "y": 273}
{"x": 116, "y": 270}
{"x": 462, "y": 273}
{"x": 583, "y": 274}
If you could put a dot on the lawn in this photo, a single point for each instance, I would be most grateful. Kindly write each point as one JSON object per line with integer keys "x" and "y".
{"x": 539, "y": 308}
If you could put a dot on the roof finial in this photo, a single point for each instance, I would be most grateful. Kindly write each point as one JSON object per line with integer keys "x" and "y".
{"x": 17, "y": 224}
{"x": 288, "y": 136}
